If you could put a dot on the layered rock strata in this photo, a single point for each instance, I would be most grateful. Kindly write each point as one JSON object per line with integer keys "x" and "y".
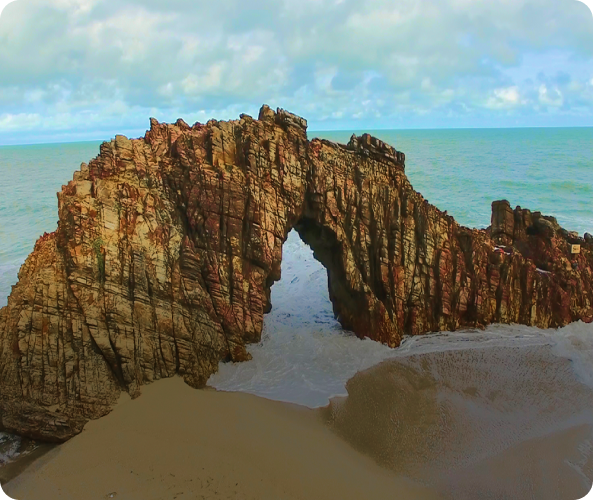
{"x": 167, "y": 246}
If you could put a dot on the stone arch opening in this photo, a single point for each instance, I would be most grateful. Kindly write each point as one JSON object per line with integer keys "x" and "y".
{"x": 300, "y": 300}
{"x": 328, "y": 251}
{"x": 353, "y": 303}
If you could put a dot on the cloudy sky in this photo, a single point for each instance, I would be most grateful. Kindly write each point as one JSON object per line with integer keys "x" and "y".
{"x": 86, "y": 69}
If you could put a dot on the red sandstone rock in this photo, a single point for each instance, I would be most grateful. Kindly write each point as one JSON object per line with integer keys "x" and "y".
{"x": 167, "y": 247}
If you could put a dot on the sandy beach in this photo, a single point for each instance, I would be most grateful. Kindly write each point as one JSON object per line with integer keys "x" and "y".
{"x": 495, "y": 423}
{"x": 174, "y": 442}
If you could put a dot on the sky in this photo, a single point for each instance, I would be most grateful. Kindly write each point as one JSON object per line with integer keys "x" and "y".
{"x": 87, "y": 69}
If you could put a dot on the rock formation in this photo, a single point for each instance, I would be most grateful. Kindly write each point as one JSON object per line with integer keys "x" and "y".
{"x": 167, "y": 246}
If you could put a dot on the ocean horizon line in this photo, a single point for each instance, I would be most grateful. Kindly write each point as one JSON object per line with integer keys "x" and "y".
{"x": 132, "y": 134}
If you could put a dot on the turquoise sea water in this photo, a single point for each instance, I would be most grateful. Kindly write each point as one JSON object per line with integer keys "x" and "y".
{"x": 30, "y": 177}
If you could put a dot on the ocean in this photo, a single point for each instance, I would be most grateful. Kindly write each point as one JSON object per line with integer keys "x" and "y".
{"x": 501, "y": 389}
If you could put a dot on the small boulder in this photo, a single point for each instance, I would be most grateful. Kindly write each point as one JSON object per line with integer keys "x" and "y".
{"x": 545, "y": 227}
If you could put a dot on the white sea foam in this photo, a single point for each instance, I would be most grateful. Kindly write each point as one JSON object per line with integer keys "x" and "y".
{"x": 9, "y": 447}
{"x": 306, "y": 358}
{"x": 575, "y": 342}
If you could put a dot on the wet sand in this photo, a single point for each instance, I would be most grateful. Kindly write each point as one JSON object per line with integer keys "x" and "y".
{"x": 174, "y": 442}
{"x": 13, "y": 469}
{"x": 488, "y": 423}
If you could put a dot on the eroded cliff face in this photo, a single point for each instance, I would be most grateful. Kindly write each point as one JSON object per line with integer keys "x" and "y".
{"x": 167, "y": 246}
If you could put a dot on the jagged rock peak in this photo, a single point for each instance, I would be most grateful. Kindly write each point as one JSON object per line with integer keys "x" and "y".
{"x": 368, "y": 145}
{"x": 282, "y": 118}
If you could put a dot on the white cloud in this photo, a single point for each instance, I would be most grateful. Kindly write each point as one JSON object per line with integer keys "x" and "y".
{"x": 325, "y": 59}
{"x": 508, "y": 97}
{"x": 22, "y": 121}
{"x": 35, "y": 95}
{"x": 323, "y": 78}
{"x": 195, "y": 84}
{"x": 551, "y": 97}
{"x": 167, "y": 89}
{"x": 375, "y": 20}
{"x": 117, "y": 108}
{"x": 426, "y": 84}
{"x": 77, "y": 7}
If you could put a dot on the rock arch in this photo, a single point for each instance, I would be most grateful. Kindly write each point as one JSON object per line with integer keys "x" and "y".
{"x": 167, "y": 246}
